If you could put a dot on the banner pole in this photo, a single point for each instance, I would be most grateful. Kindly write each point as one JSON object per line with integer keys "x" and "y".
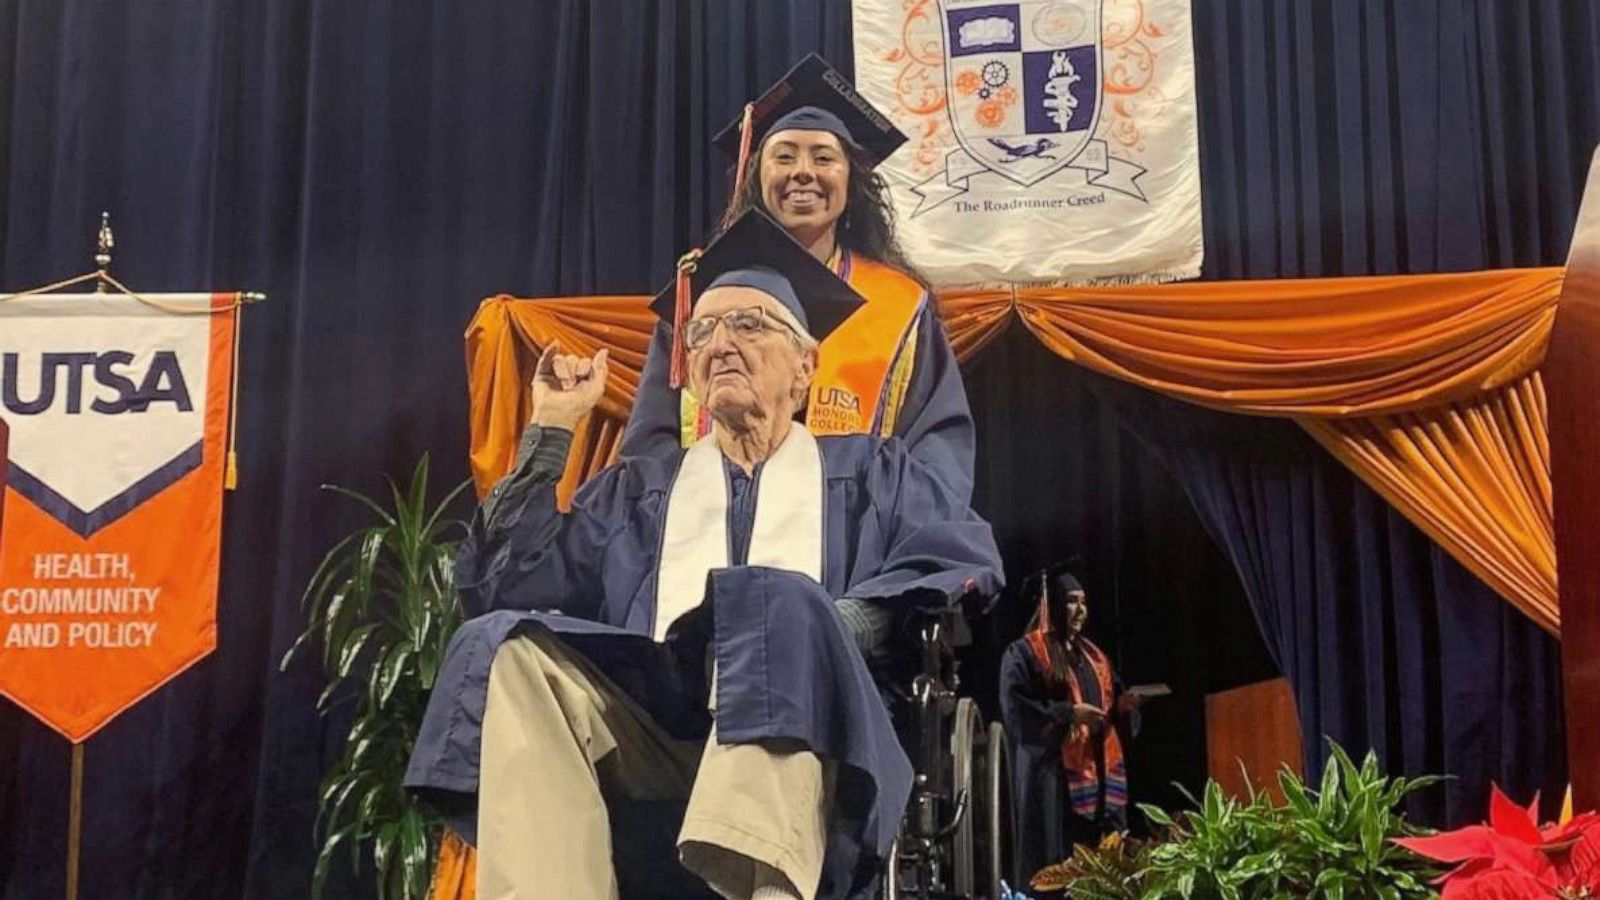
{"x": 74, "y": 821}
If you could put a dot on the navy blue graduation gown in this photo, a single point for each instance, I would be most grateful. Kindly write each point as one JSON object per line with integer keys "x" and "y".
{"x": 1045, "y": 825}
{"x": 788, "y": 668}
{"x": 935, "y": 421}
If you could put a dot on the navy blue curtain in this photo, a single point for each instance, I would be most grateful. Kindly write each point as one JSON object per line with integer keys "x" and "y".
{"x": 1389, "y": 643}
{"x": 378, "y": 168}
{"x": 1377, "y": 138}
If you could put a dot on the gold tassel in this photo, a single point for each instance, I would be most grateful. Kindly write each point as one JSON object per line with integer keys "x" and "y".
{"x": 230, "y": 476}
{"x": 745, "y": 129}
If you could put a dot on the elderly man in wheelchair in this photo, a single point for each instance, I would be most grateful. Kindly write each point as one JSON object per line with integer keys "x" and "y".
{"x": 698, "y": 628}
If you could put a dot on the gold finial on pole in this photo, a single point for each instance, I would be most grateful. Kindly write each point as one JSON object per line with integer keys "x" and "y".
{"x": 103, "y": 247}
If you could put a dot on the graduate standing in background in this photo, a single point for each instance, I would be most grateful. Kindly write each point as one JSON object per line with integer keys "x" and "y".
{"x": 1063, "y": 703}
{"x": 805, "y": 155}
{"x": 798, "y": 551}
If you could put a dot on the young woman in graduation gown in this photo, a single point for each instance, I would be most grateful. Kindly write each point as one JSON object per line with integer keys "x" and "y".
{"x": 1065, "y": 712}
{"x": 806, "y": 151}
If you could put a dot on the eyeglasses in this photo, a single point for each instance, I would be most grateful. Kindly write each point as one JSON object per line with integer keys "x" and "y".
{"x": 743, "y": 324}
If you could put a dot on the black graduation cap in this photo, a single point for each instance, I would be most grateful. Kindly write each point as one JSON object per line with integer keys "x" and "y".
{"x": 816, "y": 96}
{"x": 756, "y": 252}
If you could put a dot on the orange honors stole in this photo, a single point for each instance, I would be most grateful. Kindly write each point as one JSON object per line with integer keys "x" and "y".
{"x": 864, "y": 367}
{"x": 1078, "y": 757}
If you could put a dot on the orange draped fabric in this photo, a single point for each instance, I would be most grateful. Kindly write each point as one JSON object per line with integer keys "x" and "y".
{"x": 455, "y": 872}
{"x": 1475, "y": 476}
{"x": 1420, "y": 384}
{"x": 1308, "y": 347}
{"x": 1423, "y": 385}
{"x": 504, "y": 341}
{"x": 972, "y": 321}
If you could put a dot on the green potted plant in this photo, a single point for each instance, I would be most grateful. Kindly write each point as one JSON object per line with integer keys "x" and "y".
{"x": 382, "y": 605}
{"x": 1333, "y": 842}
{"x": 1336, "y": 841}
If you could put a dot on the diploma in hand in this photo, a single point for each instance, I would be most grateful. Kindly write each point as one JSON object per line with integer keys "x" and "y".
{"x": 1147, "y": 691}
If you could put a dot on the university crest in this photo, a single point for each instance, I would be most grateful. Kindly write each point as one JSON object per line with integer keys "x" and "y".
{"x": 1024, "y": 81}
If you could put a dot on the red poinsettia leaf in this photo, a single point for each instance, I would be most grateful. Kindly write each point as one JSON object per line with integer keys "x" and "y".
{"x": 1580, "y": 866}
{"x": 1514, "y": 854}
{"x": 1511, "y": 820}
{"x": 1499, "y": 884}
{"x": 1465, "y": 871}
{"x": 1583, "y": 824}
{"x": 1558, "y": 849}
{"x": 1471, "y": 842}
{"x": 1480, "y": 842}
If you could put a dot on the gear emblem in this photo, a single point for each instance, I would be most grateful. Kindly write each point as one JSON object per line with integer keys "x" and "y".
{"x": 995, "y": 73}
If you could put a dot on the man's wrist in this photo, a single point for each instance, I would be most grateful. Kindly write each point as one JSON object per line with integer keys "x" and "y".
{"x": 557, "y": 421}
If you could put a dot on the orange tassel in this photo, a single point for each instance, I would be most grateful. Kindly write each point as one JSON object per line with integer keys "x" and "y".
{"x": 680, "y": 317}
{"x": 745, "y": 129}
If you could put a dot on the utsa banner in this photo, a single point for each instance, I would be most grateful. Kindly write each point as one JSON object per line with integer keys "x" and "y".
{"x": 119, "y": 412}
{"x": 1051, "y": 141}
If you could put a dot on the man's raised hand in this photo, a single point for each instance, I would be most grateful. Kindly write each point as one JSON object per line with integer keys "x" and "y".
{"x": 566, "y": 387}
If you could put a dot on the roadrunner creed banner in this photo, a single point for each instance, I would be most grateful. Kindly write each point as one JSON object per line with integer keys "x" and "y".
{"x": 118, "y": 413}
{"x": 1051, "y": 141}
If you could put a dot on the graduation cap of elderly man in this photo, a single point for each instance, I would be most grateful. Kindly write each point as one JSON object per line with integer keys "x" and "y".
{"x": 748, "y": 314}
{"x": 799, "y": 551}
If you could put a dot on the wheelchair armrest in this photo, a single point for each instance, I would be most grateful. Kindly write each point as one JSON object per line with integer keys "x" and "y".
{"x": 952, "y": 619}
{"x": 947, "y": 624}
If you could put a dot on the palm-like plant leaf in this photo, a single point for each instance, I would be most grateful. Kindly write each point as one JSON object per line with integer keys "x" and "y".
{"x": 382, "y": 606}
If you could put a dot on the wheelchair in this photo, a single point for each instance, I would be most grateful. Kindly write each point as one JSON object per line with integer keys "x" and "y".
{"x": 955, "y": 839}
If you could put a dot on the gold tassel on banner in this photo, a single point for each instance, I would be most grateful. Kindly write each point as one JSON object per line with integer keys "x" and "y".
{"x": 230, "y": 477}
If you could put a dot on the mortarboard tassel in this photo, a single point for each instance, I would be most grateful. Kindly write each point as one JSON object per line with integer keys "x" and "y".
{"x": 745, "y": 129}
{"x": 680, "y": 316}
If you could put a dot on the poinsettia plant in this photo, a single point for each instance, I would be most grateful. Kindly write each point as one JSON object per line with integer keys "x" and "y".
{"x": 1513, "y": 857}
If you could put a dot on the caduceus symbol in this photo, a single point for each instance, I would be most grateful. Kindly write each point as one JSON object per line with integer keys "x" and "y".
{"x": 1058, "y": 89}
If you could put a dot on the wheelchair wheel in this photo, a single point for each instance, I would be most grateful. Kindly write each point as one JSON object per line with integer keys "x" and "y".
{"x": 965, "y": 744}
{"x": 980, "y": 848}
{"x": 891, "y": 873}
{"x": 992, "y": 809}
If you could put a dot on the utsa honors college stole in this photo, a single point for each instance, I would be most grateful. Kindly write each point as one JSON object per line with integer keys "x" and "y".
{"x": 787, "y": 533}
{"x": 119, "y": 416}
{"x": 864, "y": 367}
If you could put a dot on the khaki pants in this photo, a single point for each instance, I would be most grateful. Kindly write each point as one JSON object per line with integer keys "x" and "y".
{"x": 558, "y": 737}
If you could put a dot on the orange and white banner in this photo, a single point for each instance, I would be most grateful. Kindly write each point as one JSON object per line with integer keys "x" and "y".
{"x": 119, "y": 415}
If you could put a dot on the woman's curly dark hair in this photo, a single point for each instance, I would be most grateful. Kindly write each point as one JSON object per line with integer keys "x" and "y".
{"x": 867, "y": 226}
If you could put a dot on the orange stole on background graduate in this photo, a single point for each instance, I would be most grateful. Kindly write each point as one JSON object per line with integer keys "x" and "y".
{"x": 863, "y": 367}
{"x": 119, "y": 419}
